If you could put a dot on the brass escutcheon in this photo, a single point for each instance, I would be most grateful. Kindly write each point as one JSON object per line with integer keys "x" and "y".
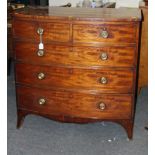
{"x": 41, "y": 76}
{"x": 103, "y": 80}
{"x": 40, "y": 53}
{"x": 42, "y": 101}
{"x": 102, "y": 106}
{"x": 40, "y": 31}
{"x": 104, "y": 56}
{"x": 104, "y": 34}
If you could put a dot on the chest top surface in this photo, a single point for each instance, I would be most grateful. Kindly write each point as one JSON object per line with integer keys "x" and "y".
{"x": 106, "y": 14}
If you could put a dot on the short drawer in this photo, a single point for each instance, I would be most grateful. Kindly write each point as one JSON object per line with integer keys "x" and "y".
{"x": 106, "y": 33}
{"x": 106, "y": 80}
{"x": 66, "y": 103}
{"x": 57, "y": 32}
{"x": 65, "y": 55}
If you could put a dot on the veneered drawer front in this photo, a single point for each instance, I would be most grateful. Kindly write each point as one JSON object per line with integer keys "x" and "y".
{"x": 106, "y": 33}
{"x": 57, "y": 32}
{"x": 75, "y": 104}
{"x": 107, "y": 80}
{"x": 65, "y": 55}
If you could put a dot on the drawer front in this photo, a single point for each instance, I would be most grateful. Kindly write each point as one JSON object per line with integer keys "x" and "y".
{"x": 113, "y": 33}
{"x": 106, "y": 80}
{"x": 51, "y": 31}
{"x": 89, "y": 56}
{"x": 75, "y": 104}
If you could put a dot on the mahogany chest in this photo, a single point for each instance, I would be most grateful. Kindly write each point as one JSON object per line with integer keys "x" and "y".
{"x": 76, "y": 64}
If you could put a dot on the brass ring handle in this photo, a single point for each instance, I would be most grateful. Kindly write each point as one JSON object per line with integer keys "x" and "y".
{"x": 104, "y": 56}
{"x": 40, "y": 31}
{"x": 42, "y": 101}
{"x": 41, "y": 76}
{"x": 40, "y": 53}
{"x": 104, "y": 34}
{"x": 103, "y": 80}
{"x": 102, "y": 106}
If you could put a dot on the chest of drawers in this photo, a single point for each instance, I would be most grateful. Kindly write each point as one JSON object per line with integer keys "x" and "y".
{"x": 86, "y": 71}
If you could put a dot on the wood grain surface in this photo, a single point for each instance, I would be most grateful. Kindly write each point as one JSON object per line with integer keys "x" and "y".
{"x": 75, "y": 104}
{"x": 116, "y": 33}
{"x": 52, "y": 31}
{"x": 117, "y": 56}
{"x": 86, "y": 14}
{"x": 118, "y": 81}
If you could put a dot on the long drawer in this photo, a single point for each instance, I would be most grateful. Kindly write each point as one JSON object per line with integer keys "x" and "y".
{"x": 104, "y": 56}
{"x": 107, "y": 80}
{"x": 57, "y": 32}
{"x": 75, "y": 104}
{"x": 105, "y": 33}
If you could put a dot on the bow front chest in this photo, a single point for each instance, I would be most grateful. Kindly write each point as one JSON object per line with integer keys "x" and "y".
{"x": 76, "y": 64}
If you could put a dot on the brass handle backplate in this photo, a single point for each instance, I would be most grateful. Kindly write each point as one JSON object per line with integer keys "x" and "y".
{"x": 41, "y": 76}
{"x": 40, "y": 31}
{"x": 104, "y": 56}
{"x": 103, "y": 80}
{"x": 42, "y": 101}
{"x": 104, "y": 34}
{"x": 102, "y": 106}
{"x": 40, "y": 53}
